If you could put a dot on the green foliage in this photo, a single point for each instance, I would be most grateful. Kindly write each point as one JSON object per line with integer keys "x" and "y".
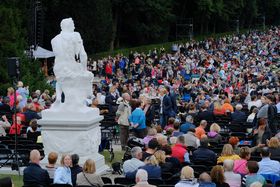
{"x": 12, "y": 43}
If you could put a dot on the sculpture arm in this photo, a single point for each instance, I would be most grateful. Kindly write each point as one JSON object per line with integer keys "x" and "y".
{"x": 80, "y": 51}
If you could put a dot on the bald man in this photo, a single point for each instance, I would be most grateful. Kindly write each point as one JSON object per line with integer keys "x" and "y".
{"x": 34, "y": 174}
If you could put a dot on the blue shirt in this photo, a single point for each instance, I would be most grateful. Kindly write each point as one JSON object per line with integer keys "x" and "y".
{"x": 186, "y": 126}
{"x": 62, "y": 175}
{"x": 138, "y": 117}
{"x": 268, "y": 166}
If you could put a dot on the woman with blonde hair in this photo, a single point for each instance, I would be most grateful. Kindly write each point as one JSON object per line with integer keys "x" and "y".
{"x": 89, "y": 176}
{"x": 213, "y": 135}
{"x": 187, "y": 178}
{"x": 62, "y": 174}
{"x": 274, "y": 147}
{"x": 240, "y": 166}
{"x": 152, "y": 167}
{"x": 227, "y": 154}
{"x": 218, "y": 177}
{"x": 161, "y": 158}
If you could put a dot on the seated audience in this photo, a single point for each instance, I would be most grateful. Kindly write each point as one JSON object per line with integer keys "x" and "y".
{"x": 274, "y": 147}
{"x": 261, "y": 133}
{"x": 75, "y": 168}
{"x": 162, "y": 141}
{"x": 213, "y": 135}
{"x": 152, "y": 147}
{"x": 152, "y": 167}
{"x": 217, "y": 175}
{"x": 176, "y": 131}
{"x": 33, "y": 131}
{"x": 31, "y": 113}
{"x": 253, "y": 114}
{"x": 135, "y": 162}
{"x": 203, "y": 154}
{"x": 266, "y": 165}
{"x": 252, "y": 177}
{"x": 227, "y": 154}
{"x": 88, "y": 176}
{"x": 205, "y": 114}
{"x": 191, "y": 139}
{"x": 5, "y": 124}
{"x": 50, "y": 167}
{"x": 179, "y": 150}
{"x": 176, "y": 165}
{"x": 141, "y": 179}
{"x": 16, "y": 127}
{"x": 205, "y": 180}
{"x": 218, "y": 109}
{"x": 151, "y": 134}
{"x": 199, "y": 131}
{"x": 34, "y": 175}
{"x": 161, "y": 158}
{"x": 234, "y": 142}
{"x": 187, "y": 178}
{"x": 170, "y": 124}
{"x": 254, "y": 102}
{"x": 227, "y": 107}
{"x": 234, "y": 180}
{"x": 187, "y": 125}
{"x": 62, "y": 174}
{"x": 240, "y": 166}
{"x": 238, "y": 116}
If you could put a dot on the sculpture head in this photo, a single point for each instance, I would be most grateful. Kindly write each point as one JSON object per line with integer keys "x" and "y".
{"x": 67, "y": 25}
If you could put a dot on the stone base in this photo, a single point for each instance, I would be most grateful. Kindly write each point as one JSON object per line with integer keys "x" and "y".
{"x": 66, "y": 136}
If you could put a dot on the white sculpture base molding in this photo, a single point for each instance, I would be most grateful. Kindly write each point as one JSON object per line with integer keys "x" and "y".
{"x": 64, "y": 135}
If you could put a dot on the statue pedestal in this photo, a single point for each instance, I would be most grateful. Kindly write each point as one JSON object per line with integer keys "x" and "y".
{"x": 63, "y": 134}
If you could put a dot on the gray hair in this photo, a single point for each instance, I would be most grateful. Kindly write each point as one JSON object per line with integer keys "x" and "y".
{"x": 134, "y": 151}
{"x": 203, "y": 122}
{"x": 238, "y": 107}
{"x": 189, "y": 119}
{"x": 124, "y": 95}
{"x": 228, "y": 165}
{"x": 142, "y": 175}
{"x": 204, "y": 177}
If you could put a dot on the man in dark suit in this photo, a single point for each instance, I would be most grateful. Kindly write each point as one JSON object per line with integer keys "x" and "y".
{"x": 173, "y": 98}
{"x": 166, "y": 109}
{"x": 34, "y": 175}
{"x": 238, "y": 116}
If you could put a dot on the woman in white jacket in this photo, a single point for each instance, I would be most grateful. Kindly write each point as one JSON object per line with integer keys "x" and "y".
{"x": 123, "y": 112}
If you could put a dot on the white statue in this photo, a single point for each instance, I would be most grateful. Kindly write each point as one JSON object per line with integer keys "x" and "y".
{"x": 73, "y": 79}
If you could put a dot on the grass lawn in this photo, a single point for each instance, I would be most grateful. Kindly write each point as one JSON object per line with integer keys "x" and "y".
{"x": 17, "y": 180}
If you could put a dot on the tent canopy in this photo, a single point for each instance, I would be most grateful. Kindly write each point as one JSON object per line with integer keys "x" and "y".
{"x": 42, "y": 53}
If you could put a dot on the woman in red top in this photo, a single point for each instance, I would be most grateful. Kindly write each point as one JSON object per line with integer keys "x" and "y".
{"x": 16, "y": 127}
{"x": 109, "y": 69}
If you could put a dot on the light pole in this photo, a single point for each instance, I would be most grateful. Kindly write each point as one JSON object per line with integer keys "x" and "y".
{"x": 237, "y": 26}
{"x": 37, "y": 6}
{"x": 263, "y": 18}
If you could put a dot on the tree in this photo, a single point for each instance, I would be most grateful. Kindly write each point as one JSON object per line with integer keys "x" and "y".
{"x": 12, "y": 37}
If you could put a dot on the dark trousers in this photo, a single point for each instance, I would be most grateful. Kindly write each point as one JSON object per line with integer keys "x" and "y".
{"x": 140, "y": 133}
{"x": 124, "y": 134}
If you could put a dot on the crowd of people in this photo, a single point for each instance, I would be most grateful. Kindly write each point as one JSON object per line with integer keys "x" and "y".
{"x": 171, "y": 101}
